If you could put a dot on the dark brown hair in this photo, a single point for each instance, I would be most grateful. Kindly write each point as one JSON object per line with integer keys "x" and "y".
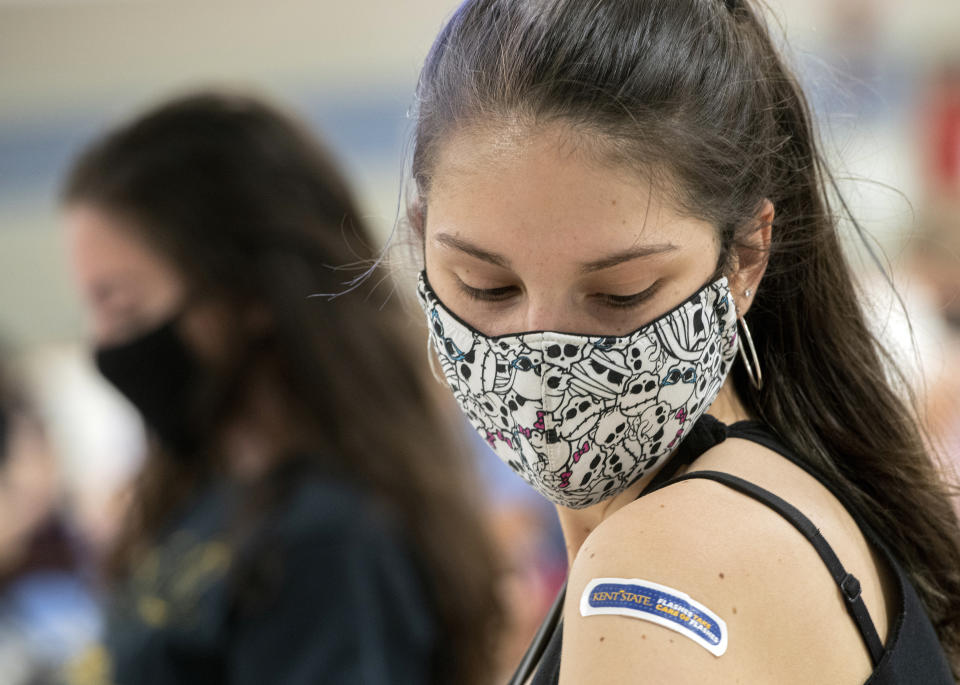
{"x": 697, "y": 88}
{"x": 251, "y": 209}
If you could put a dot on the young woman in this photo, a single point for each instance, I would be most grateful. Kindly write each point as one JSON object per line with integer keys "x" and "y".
{"x": 301, "y": 518}
{"x": 611, "y": 197}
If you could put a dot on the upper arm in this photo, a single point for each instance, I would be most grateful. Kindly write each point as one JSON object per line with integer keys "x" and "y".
{"x": 348, "y": 607}
{"x": 669, "y": 539}
{"x": 787, "y": 621}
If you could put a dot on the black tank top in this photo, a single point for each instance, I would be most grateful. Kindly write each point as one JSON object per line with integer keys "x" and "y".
{"x": 912, "y": 653}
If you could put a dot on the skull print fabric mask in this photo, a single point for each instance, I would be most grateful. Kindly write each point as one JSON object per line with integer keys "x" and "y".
{"x": 582, "y": 417}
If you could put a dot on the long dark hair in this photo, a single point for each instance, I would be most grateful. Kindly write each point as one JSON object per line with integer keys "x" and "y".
{"x": 251, "y": 209}
{"x": 696, "y": 90}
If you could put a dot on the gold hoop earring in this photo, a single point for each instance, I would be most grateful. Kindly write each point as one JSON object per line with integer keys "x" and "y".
{"x": 753, "y": 370}
{"x": 432, "y": 362}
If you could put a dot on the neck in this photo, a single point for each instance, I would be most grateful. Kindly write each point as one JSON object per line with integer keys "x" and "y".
{"x": 577, "y": 524}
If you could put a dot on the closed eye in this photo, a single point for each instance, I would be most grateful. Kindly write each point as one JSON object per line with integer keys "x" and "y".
{"x": 627, "y": 301}
{"x": 508, "y": 291}
{"x": 488, "y": 294}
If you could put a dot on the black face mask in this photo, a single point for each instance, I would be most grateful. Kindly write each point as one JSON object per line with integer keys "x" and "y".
{"x": 163, "y": 379}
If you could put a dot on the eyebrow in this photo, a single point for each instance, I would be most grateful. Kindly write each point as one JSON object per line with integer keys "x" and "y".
{"x": 472, "y": 250}
{"x": 588, "y": 267}
{"x": 626, "y": 256}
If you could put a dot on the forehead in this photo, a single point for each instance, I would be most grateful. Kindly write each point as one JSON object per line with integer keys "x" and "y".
{"x": 548, "y": 192}
{"x": 106, "y": 246}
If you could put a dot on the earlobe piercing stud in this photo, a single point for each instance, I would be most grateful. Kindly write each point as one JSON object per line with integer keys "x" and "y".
{"x": 747, "y": 292}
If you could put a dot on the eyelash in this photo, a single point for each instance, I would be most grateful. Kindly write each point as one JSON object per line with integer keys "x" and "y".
{"x": 488, "y": 294}
{"x": 612, "y": 301}
{"x": 628, "y": 301}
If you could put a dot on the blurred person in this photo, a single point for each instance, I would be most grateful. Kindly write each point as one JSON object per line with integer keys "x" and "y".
{"x": 96, "y": 434}
{"x": 931, "y": 268}
{"x": 941, "y": 124}
{"x": 604, "y": 194}
{"x": 935, "y": 250}
{"x": 528, "y": 582}
{"x": 47, "y": 609}
{"x": 529, "y": 552}
{"x": 932, "y": 272}
{"x": 934, "y": 256}
{"x": 302, "y": 515}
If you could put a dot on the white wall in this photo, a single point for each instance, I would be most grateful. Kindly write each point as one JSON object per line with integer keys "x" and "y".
{"x": 69, "y": 68}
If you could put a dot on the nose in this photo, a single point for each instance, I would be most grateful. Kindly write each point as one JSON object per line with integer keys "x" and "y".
{"x": 550, "y": 311}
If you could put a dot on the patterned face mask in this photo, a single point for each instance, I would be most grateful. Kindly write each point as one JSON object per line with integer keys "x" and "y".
{"x": 582, "y": 417}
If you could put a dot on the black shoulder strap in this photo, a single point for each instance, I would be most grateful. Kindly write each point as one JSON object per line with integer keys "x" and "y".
{"x": 847, "y": 582}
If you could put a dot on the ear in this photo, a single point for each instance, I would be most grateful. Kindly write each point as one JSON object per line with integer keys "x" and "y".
{"x": 750, "y": 257}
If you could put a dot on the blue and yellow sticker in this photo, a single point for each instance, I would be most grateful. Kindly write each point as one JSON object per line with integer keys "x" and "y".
{"x": 659, "y": 604}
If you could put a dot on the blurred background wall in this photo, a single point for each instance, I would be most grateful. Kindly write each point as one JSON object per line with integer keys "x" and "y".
{"x": 69, "y": 68}
{"x": 875, "y": 69}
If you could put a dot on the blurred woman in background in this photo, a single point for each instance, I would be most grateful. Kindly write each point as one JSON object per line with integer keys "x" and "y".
{"x": 302, "y": 517}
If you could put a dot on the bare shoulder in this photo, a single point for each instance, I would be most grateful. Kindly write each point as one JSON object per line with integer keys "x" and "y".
{"x": 728, "y": 558}
{"x": 684, "y": 538}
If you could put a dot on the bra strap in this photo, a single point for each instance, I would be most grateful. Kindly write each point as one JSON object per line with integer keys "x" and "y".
{"x": 847, "y": 582}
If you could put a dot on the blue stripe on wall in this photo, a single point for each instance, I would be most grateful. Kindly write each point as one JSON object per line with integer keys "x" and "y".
{"x": 361, "y": 131}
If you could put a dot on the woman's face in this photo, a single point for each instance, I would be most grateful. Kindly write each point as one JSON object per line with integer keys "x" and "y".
{"x": 525, "y": 233}
{"x": 128, "y": 288}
